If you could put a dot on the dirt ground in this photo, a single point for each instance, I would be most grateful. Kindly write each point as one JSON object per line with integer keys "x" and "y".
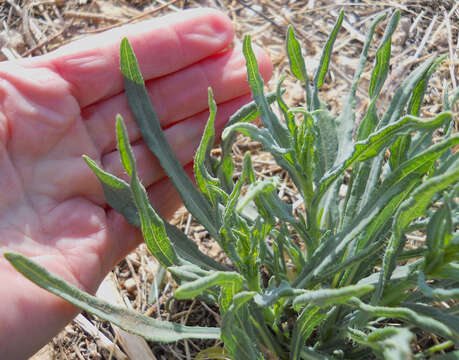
{"x": 35, "y": 27}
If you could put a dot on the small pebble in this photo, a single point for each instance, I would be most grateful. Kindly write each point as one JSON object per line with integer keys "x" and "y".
{"x": 130, "y": 285}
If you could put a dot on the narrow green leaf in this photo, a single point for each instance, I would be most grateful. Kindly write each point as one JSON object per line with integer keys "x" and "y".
{"x": 454, "y": 98}
{"x": 421, "y": 198}
{"x": 308, "y": 353}
{"x": 283, "y": 156}
{"x": 202, "y": 157}
{"x": 346, "y": 119}
{"x": 216, "y": 278}
{"x": 264, "y": 334}
{"x": 127, "y": 157}
{"x": 288, "y": 116}
{"x": 225, "y": 168}
{"x": 439, "y": 233}
{"x": 325, "y": 142}
{"x": 249, "y": 112}
{"x": 381, "y": 68}
{"x": 414, "y": 106}
{"x": 147, "y": 120}
{"x": 256, "y": 189}
{"x": 274, "y": 293}
{"x": 389, "y": 342}
{"x": 188, "y": 272}
{"x": 453, "y": 355}
{"x": 360, "y": 256}
{"x": 309, "y": 318}
{"x": 326, "y": 297}
{"x": 153, "y": 229}
{"x": 269, "y": 119}
{"x": 400, "y": 274}
{"x": 117, "y": 193}
{"x": 446, "y": 271}
{"x": 147, "y": 327}
{"x": 326, "y": 55}
{"x": 297, "y": 64}
{"x": 128, "y": 63}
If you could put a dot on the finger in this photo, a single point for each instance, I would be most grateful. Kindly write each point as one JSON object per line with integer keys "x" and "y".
{"x": 125, "y": 238}
{"x": 162, "y": 46}
{"x": 184, "y": 138}
{"x": 177, "y": 96}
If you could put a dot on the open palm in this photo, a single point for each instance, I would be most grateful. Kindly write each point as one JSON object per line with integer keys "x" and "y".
{"x": 57, "y": 107}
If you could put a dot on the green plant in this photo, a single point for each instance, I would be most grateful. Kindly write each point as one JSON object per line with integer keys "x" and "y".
{"x": 332, "y": 293}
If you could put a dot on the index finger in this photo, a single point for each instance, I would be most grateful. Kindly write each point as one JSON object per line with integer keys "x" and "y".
{"x": 162, "y": 46}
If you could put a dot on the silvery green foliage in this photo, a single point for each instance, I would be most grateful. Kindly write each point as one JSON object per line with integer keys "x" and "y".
{"x": 324, "y": 298}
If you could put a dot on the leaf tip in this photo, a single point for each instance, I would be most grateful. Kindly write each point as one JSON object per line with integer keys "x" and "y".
{"x": 128, "y": 63}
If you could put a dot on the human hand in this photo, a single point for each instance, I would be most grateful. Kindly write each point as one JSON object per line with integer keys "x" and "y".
{"x": 57, "y": 107}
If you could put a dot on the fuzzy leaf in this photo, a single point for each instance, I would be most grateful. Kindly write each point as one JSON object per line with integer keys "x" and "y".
{"x": 202, "y": 157}
{"x": 256, "y": 189}
{"x": 381, "y": 68}
{"x": 297, "y": 64}
{"x": 153, "y": 230}
{"x": 249, "y": 112}
{"x": 272, "y": 294}
{"x": 326, "y": 297}
{"x": 389, "y": 342}
{"x": 309, "y": 318}
{"x": 147, "y": 120}
{"x": 129, "y": 320}
{"x": 326, "y": 57}
{"x": 346, "y": 119}
{"x": 269, "y": 119}
{"x": 216, "y": 278}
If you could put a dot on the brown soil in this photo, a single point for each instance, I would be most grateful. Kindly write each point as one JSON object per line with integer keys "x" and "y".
{"x": 34, "y": 27}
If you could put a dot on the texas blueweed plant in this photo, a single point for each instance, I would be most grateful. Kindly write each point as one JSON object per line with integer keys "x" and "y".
{"x": 349, "y": 288}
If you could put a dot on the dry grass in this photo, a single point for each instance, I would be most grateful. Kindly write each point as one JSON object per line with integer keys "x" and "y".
{"x": 34, "y": 27}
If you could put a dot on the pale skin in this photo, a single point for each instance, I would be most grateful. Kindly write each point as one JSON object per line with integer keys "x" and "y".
{"x": 57, "y": 107}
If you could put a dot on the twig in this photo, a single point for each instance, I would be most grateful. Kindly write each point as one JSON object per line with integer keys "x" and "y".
{"x": 247, "y": 6}
{"x": 452, "y": 55}
{"x": 188, "y": 223}
{"x": 415, "y": 23}
{"x": 440, "y": 27}
{"x": 47, "y": 40}
{"x": 100, "y": 338}
{"x": 137, "y": 282}
{"x": 89, "y": 16}
{"x": 135, "y": 18}
{"x": 425, "y": 37}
